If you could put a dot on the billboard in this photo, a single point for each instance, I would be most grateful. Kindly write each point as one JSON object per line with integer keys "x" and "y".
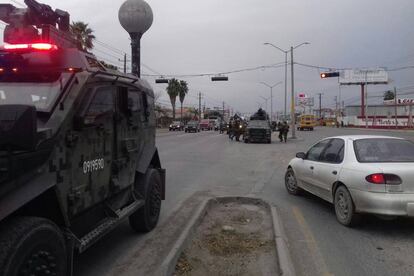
{"x": 363, "y": 76}
{"x": 400, "y": 101}
{"x": 304, "y": 100}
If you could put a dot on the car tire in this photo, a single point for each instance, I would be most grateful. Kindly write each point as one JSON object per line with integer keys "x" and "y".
{"x": 32, "y": 246}
{"x": 146, "y": 218}
{"x": 345, "y": 208}
{"x": 291, "y": 183}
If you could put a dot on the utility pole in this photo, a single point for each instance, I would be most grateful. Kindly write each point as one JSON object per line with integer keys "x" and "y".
{"x": 395, "y": 103}
{"x": 292, "y": 105}
{"x": 223, "y": 113}
{"x": 336, "y": 103}
{"x": 125, "y": 63}
{"x": 199, "y": 107}
{"x": 286, "y": 57}
{"x": 320, "y": 105}
{"x": 365, "y": 87}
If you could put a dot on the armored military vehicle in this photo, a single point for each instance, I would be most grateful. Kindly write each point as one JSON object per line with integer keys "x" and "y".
{"x": 77, "y": 146}
{"x": 258, "y": 128}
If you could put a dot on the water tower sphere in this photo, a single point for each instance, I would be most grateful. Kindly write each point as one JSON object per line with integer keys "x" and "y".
{"x": 135, "y": 16}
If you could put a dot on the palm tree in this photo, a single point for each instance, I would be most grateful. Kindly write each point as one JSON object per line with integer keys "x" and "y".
{"x": 83, "y": 35}
{"x": 183, "y": 92}
{"x": 173, "y": 90}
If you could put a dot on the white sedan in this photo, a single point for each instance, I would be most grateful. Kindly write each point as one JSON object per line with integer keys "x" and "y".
{"x": 358, "y": 174}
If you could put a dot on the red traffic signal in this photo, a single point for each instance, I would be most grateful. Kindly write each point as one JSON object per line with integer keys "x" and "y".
{"x": 329, "y": 75}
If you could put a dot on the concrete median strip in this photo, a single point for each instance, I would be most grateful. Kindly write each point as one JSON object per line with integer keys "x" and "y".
{"x": 284, "y": 262}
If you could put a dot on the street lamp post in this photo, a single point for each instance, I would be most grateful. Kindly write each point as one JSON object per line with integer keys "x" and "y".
{"x": 266, "y": 99}
{"x": 271, "y": 97}
{"x": 292, "y": 107}
{"x": 286, "y": 54}
{"x": 292, "y": 102}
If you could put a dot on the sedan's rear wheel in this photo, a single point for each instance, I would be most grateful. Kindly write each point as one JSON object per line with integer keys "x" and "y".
{"x": 291, "y": 183}
{"x": 345, "y": 207}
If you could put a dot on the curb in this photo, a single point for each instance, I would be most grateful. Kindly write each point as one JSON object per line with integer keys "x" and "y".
{"x": 284, "y": 260}
{"x": 168, "y": 265}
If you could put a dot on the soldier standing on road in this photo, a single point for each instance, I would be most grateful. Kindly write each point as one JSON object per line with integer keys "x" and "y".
{"x": 283, "y": 132}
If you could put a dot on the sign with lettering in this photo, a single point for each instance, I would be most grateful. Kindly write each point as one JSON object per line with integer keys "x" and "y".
{"x": 363, "y": 76}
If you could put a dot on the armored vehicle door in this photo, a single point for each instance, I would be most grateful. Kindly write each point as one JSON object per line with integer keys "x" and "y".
{"x": 91, "y": 155}
{"x": 129, "y": 136}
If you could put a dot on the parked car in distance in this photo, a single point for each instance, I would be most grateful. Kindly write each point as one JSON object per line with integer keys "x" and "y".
{"x": 192, "y": 126}
{"x": 176, "y": 125}
{"x": 205, "y": 125}
{"x": 307, "y": 122}
{"x": 358, "y": 174}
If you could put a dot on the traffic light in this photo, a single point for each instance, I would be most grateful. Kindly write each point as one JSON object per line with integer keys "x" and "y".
{"x": 161, "y": 81}
{"x": 329, "y": 75}
{"x": 220, "y": 78}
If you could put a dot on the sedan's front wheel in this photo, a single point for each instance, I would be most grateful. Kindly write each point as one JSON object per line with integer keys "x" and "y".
{"x": 345, "y": 207}
{"x": 291, "y": 183}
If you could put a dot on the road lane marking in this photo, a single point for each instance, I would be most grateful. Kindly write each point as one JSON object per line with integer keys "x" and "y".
{"x": 311, "y": 242}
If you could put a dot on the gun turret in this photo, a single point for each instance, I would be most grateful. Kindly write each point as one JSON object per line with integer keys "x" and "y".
{"x": 36, "y": 23}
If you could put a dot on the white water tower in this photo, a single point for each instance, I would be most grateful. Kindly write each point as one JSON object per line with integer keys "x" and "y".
{"x": 136, "y": 18}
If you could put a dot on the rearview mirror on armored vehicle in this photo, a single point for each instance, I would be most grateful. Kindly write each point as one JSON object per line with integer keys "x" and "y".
{"x": 301, "y": 155}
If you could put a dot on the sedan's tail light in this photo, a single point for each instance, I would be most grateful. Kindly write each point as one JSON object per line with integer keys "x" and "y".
{"x": 380, "y": 178}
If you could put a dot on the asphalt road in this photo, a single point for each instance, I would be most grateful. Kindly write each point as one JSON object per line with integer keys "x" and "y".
{"x": 210, "y": 162}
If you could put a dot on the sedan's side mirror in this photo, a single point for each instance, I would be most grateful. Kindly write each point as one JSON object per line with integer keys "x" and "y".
{"x": 301, "y": 155}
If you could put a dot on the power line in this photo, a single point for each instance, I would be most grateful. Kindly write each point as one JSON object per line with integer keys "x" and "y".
{"x": 276, "y": 65}
{"x": 341, "y": 69}
{"x": 109, "y": 47}
{"x": 106, "y": 53}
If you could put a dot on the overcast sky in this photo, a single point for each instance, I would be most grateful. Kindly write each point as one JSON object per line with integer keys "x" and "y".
{"x": 194, "y": 36}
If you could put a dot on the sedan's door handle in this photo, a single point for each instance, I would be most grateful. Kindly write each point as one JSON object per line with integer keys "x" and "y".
{"x": 311, "y": 167}
{"x": 335, "y": 172}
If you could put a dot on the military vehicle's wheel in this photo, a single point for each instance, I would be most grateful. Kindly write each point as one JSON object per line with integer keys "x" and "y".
{"x": 32, "y": 246}
{"x": 146, "y": 218}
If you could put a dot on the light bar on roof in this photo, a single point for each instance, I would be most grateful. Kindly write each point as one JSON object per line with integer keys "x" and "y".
{"x": 34, "y": 46}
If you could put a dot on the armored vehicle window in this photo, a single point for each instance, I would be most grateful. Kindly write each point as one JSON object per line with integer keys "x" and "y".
{"x": 102, "y": 102}
{"x": 134, "y": 100}
{"x": 41, "y": 95}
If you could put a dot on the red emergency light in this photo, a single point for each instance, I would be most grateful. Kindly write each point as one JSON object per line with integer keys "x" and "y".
{"x": 33, "y": 46}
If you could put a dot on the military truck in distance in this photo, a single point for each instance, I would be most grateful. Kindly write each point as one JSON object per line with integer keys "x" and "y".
{"x": 77, "y": 146}
{"x": 258, "y": 129}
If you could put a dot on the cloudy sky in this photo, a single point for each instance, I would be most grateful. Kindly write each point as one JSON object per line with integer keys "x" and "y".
{"x": 194, "y": 36}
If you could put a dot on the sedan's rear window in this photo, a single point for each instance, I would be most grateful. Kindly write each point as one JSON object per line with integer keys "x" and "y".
{"x": 384, "y": 150}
